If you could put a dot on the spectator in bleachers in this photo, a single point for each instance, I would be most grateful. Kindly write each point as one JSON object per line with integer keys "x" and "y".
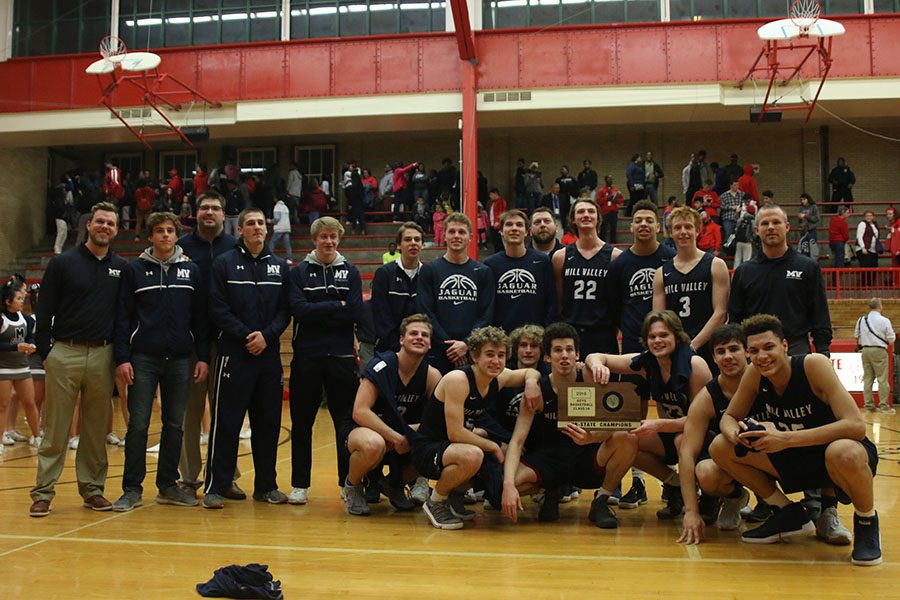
{"x": 892, "y": 243}
{"x": 842, "y": 181}
{"x": 653, "y": 175}
{"x": 690, "y": 179}
{"x": 609, "y": 199}
{"x": 447, "y": 179}
{"x": 747, "y": 183}
{"x": 710, "y": 200}
{"x": 281, "y": 229}
{"x": 370, "y": 189}
{"x": 144, "y": 197}
{"x": 314, "y": 200}
{"x": 733, "y": 169}
{"x": 201, "y": 180}
{"x": 177, "y": 186}
{"x": 744, "y": 232}
{"x": 635, "y": 180}
{"x": 710, "y": 236}
{"x": 534, "y": 187}
{"x": 587, "y": 178}
{"x": 568, "y": 185}
{"x": 720, "y": 178}
{"x": 58, "y": 207}
{"x": 386, "y": 187}
{"x": 402, "y": 197}
{"x": 186, "y": 216}
{"x": 113, "y": 186}
{"x": 557, "y": 202}
{"x": 391, "y": 254}
{"x": 355, "y": 194}
{"x": 418, "y": 183}
{"x": 497, "y": 208}
{"x": 838, "y": 236}
{"x": 869, "y": 245}
{"x": 729, "y": 207}
{"x": 422, "y": 214}
{"x": 294, "y": 191}
{"x": 808, "y": 216}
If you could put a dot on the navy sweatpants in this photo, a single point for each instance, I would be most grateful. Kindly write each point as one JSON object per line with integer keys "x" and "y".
{"x": 244, "y": 383}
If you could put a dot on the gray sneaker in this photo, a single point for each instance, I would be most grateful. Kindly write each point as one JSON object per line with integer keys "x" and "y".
{"x": 128, "y": 501}
{"x": 176, "y": 496}
{"x": 886, "y": 410}
{"x": 275, "y": 496}
{"x": 440, "y": 515}
{"x": 830, "y": 530}
{"x": 214, "y": 501}
{"x": 355, "y": 501}
{"x": 730, "y": 515}
{"x": 420, "y": 491}
{"x": 457, "y": 504}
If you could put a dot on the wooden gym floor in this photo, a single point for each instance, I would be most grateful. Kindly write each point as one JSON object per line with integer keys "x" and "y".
{"x": 318, "y": 551}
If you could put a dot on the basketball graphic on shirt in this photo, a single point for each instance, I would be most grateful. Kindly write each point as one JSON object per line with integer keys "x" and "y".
{"x": 458, "y": 289}
{"x": 516, "y": 282}
{"x": 641, "y": 283}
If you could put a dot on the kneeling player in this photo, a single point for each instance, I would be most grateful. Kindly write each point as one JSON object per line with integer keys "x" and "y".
{"x": 729, "y": 351}
{"x": 813, "y": 437}
{"x": 446, "y": 447}
{"x": 674, "y": 376}
{"x": 387, "y": 409}
{"x": 568, "y": 456}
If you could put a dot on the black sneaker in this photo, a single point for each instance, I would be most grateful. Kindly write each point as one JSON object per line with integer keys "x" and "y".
{"x": 601, "y": 514}
{"x": 372, "y": 493}
{"x": 549, "y": 511}
{"x": 812, "y": 501}
{"x": 760, "y": 513}
{"x": 866, "y": 541}
{"x": 709, "y": 508}
{"x": 674, "y": 503}
{"x": 635, "y": 497}
{"x": 458, "y": 506}
{"x": 790, "y": 521}
{"x": 396, "y": 495}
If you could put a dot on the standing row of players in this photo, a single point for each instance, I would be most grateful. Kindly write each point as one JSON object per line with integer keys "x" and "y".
{"x": 781, "y": 421}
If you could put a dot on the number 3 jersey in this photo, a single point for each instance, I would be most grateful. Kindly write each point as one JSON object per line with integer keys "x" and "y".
{"x": 689, "y": 295}
{"x": 585, "y": 299}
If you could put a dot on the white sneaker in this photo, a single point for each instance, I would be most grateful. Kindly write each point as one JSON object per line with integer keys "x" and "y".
{"x": 245, "y": 434}
{"x": 7, "y": 439}
{"x": 204, "y": 439}
{"x": 18, "y": 437}
{"x": 112, "y": 439}
{"x": 298, "y": 496}
{"x": 73, "y": 443}
{"x": 35, "y": 442}
{"x": 420, "y": 491}
{"x": 830, "y": 530}
{"x": 153, "y": 449}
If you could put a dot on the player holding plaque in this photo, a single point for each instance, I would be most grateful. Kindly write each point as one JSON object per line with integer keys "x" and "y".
{"x": 674, "y": 376}
{"x": 563, "y": 456}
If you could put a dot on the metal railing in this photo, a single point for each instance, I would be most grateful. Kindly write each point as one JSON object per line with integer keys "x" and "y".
{"x": 861, "y": 284}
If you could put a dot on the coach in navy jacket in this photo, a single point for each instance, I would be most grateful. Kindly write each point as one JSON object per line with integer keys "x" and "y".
{"x": 248, "y": 303}
{"x": 326, "y": 302}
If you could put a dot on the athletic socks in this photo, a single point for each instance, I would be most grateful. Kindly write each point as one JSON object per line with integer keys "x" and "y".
{"x": 777, "y": 499}
{"x": 435, "y": 497}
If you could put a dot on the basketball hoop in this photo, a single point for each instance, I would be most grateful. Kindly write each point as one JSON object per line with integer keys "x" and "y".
{"x": 112, "y": 49}
{"x": 804, "y": 14}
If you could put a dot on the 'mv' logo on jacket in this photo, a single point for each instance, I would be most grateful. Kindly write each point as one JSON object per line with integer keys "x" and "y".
{"x": 183, "y": 274}
{"x": 273, "y": 269}
{"x": 798, "y": 275}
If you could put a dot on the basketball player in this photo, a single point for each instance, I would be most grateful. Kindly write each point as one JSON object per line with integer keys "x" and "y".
{"x": 388, "y": 406}
{"x": 456, "y": 293}
{"x": 729, "y": 347}
{"x": 447, "y": 448}
{"x": 694, "y": 284}
{"x": 674, "y": 376}
{"x": 631, "y": 277}
{"x": 568, "y": 456}
{"x": 582, "y": 283}
{"x": 813, "y": 437}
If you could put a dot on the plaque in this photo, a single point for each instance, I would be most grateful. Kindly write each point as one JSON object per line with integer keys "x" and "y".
{"x": 596, "y": 407}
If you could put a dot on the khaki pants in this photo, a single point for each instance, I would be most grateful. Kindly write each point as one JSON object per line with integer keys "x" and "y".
{"x": 875, "y": 366}
{"x": 72, "y": 369}
{"x": 191, "y": 464}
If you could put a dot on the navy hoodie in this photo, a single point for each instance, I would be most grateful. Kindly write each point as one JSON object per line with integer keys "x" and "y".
{"x": 326, "y": 302}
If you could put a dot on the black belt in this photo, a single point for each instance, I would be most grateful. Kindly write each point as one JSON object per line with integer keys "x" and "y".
{"x": 87, "y": 343}
{"x": 879, "y": 347}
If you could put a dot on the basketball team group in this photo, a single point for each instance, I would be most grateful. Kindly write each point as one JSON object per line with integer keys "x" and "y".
{"x": 457, "y": 401}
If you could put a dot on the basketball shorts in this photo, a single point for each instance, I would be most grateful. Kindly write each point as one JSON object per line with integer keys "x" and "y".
{"x": 804, "y": 468}
{"x": 566, "y": 465}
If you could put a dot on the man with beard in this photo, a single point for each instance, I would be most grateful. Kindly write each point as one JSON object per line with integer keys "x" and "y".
{"x": 79, "y": 295}
{"x": 543, "y": 231}
{"x": 523, "y": 277}
{"x": 202, "y": 245}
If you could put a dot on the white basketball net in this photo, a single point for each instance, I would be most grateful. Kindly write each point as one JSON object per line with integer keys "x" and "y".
{"x": 112, "y": 49}
{"x": 804, "y": 14}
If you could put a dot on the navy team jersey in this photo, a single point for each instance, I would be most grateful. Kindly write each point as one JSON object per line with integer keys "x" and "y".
{"x": 672, "y": 396}
{"x": 395, "y": 399}
{"x": 631, "y": 285}
{"x": 544, "y": 431}
{"x": 798, "y": 407}
{"x": 720, "y": 405}
{"x": 525, "y": 290}
{"x": 689, "y": 294}
{"x": 585, "y": 302}
{"x": 434, "y": 424}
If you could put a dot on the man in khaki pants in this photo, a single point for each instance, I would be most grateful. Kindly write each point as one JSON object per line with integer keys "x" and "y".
{"x": 80, "y": 291}
{"x": 875, "y": 334}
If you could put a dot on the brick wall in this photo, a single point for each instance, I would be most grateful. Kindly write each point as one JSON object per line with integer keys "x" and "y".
{"x": 22, "y": 200}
